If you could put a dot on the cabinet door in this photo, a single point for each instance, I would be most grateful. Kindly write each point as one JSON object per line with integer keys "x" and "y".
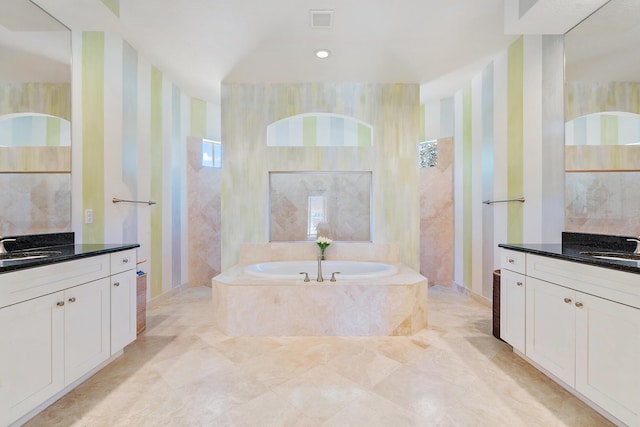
{"x": 86, "y": 323}
{"x": 550, "y": 330}
{"x": 512, "y": 309}
{"x": 123, "y": 310}
{"x": 607, "y": 356}
{"x": 31, "y": 355}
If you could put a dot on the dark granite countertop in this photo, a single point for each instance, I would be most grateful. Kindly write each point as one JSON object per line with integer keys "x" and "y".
{"x": 60, "y": 243}
{"x": 573, "y": 244}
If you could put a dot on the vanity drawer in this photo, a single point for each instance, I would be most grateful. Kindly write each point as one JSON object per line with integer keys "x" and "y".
{"x": 22, "y": 285}
{"x": 513, "y": 261}
{"x": 123, "y": 261}
{"x": 614, "y": 285}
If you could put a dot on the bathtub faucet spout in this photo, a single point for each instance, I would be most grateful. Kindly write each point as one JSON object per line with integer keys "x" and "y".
{"x": 320, "y": 278}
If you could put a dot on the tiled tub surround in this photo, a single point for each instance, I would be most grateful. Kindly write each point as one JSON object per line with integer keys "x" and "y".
{"x": 603, "y": 202}
{"x": 251, "y": 253}
{"x": 246, "y": 305}
{"x": 347, "y": 197}
{"x": 34, "y": 203}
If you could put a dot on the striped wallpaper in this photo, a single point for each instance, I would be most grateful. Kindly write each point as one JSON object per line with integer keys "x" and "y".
{"x": 392, "y": 109}
{"x": 45, "y": 98}
{"x": 584, "y": 98}
{"x": 93, "y": 170}
{"x": 129, "y": 141}
{"x": 500, "y": 153}
{"x": 34, "y": 130}
{"x": 604, "y": 129}
{"x": 601, "y": 119}
{"x": 113, "y": 6}
{"x": 319, "y": 130}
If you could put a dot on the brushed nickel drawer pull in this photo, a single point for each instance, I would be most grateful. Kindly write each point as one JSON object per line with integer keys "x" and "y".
{"x": 72, "y": 299}
{"x": 116, "y": 284}
{"x": 567, "y": 300}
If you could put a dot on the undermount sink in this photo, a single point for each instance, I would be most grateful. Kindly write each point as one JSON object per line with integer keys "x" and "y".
{"x": 616, "y": 256}
{"x": 21, "y": 256}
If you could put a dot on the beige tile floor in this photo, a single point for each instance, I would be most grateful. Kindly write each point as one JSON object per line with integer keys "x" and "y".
{"x": 183, "y": 372}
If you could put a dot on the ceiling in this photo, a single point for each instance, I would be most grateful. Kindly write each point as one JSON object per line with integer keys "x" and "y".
{"x": 201, "y": 43}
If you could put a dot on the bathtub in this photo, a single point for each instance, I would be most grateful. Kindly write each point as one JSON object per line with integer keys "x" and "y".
{"x": 367, "y": 299}
{"x": 349, "y": 270}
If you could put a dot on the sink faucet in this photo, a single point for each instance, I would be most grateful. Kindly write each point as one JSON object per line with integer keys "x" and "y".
{"x": 3, "y": 250}
{"x": 637, "y": 251}
{"x": 319, "y": 278}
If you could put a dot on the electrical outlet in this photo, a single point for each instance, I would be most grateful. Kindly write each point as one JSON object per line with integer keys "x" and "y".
{"x": 88, "y": 216}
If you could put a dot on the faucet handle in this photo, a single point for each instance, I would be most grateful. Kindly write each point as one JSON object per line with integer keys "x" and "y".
{"x": 3, "y": 250}
{"x": 333, "y": 276}
{"x": 306, "y": 276}
{"x": 637, "y": 251}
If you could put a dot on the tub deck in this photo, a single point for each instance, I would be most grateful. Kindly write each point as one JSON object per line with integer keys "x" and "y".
{"x": 246, "y": 305}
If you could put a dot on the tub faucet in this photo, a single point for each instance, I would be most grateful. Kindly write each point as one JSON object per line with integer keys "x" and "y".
{"x": 3, "y": 250}
{"x": 637, "y": 251}
{"x": 319, "y": 278}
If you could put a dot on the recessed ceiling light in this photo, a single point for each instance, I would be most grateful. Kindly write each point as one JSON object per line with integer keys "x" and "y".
{"x": 322, "y": 53}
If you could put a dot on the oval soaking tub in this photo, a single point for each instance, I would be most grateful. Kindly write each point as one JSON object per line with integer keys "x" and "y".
{"x": 349, "y": 270}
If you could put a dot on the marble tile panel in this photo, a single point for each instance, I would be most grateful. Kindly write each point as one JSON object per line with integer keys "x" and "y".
{"x": 363, "y": 366}
{"x": 35, "y": 203}
{"x": 180, "y": 370}
{"x": 204, "y": 227}
{"x": 267, "y": 410}
{"x": 329, "y": 394}
{"x": 436, "y": 217}
{"x": 220, "y": 392}
{"x": 259, "y": 307}
{"x": 602, "y": 202}
{"x": 372, "y": 410}
{"x": 240, "y": 349}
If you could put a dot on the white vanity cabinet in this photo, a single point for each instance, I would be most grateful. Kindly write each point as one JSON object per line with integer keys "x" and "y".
{"x": 608, "y": 355}
{"x": 86, "y": 328}
{"x": 31, "y": 354}
{"x": 582, "y": 326}
{"x": 550, "y": 328}
{"x": 57, "y": 326}
{"x": 123, "y": 299}
{"x": 512, "y": 299}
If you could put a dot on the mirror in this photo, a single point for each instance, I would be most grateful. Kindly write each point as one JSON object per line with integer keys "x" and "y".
{"x": 305, "y": 205}
{"x": 35, "y": 113}
{"x": 602, "y": 77}
{"x": 602, "y": 115}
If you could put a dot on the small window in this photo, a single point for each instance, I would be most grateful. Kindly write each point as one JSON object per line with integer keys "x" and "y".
{"x": 428, "y": 154}
{"x": 211, "y": 154}
{"x": 317, "y": 215}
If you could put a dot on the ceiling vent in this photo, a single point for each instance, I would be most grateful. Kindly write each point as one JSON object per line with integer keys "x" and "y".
{"x": 321, "y": 18}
